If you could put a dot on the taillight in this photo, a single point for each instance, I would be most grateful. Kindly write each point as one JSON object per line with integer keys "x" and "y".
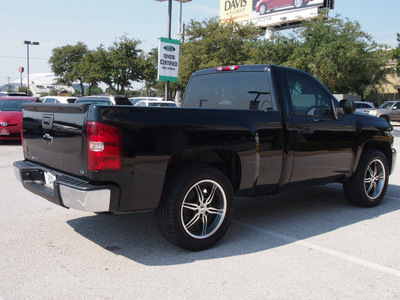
{"x": 104, "y": 147}
{"x": 228, "y": 68}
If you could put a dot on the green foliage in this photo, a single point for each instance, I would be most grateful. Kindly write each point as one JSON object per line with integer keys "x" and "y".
{"x": 67, "y": 62}
{"x": 53, "y": 92}
{"x": 95, "y": 90}
{"x": 150, "y": 70}
{"x": 210, "y": 44}
{"x": 396, "y": 53}
{"x": 338, "y": 53}
{"x": 277, "y": 51}
{"x": 335, "y": 50}
{"x": 123, "y": 63}
{"x": 22, "y": 89}
{"x": 118, "y": 66}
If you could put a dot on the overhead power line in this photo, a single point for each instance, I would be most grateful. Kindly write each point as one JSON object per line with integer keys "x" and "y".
{"x": 22, "y": 57}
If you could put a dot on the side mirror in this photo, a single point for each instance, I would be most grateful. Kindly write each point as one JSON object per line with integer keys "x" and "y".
{"x": 394, "y": 107}
{"x": 347, "y": 106}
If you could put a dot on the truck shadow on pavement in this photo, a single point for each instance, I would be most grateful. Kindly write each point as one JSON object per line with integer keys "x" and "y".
{"x": 259, "y": 224}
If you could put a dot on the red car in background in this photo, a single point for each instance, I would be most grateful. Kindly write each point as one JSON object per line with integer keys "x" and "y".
{"x": 264, "y": 5}
{"x": 11, "y": 116}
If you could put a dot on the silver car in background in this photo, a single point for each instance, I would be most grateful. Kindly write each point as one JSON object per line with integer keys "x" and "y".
{"x": 364, "y": 107}
{"x": 390, "y": 111}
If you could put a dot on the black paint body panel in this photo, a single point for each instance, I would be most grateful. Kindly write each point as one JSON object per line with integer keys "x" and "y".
{"x": 261, "y": 152}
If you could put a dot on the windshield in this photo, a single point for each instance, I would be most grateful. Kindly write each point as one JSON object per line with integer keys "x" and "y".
{"x": 386, "y": 105}
{"x": 12, "y": 104}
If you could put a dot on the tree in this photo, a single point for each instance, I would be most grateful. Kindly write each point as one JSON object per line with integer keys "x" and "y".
{"x": 210, "y": 44}
{"x": 339, "y": 54}
{"x": 150, "y": 70}
{"x": 67, "y": 62}
{"x": 277, "y": 51}
{"x": 122, "y": 64}
{"x": 92, "y": 70}
{"x": 396, "y": 53}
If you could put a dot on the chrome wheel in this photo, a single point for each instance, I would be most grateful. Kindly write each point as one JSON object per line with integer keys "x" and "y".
{"x": 203, "y": 209}
{"x": 374, "y": 179}
{"x": 367, "y": 186}
{"x": 298, "y": 3}
{"x": 263, "y": 9}
{"x": 196, "y": 207}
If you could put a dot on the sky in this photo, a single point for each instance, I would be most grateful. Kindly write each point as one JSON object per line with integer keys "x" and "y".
{"x": 55, "y": 23}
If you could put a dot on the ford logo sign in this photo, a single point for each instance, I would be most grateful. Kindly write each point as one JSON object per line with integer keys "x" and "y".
{"x": 169, "y": 48}
{"x": 4, "y": 124}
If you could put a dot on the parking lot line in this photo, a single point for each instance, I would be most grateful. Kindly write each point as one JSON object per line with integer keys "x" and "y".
{"x": 352, "y": 259}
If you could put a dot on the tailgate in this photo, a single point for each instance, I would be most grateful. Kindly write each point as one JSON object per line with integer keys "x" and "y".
{"x": 54, "y": 136}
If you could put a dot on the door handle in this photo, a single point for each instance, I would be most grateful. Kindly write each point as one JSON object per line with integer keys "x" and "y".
{"x": 305, "y": 130}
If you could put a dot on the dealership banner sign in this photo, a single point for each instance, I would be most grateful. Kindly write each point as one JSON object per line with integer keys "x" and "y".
{"x": 269, "y": 13}
{"x": 168, "y": 60}
{"x": 237, "y": 10}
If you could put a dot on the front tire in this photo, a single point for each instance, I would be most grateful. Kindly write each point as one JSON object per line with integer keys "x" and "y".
{"x": 196, "y": 208}
{"x": 367, "y": 187}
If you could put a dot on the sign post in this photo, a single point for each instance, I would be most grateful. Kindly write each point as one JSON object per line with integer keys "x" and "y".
{"x": 21, "y": 70}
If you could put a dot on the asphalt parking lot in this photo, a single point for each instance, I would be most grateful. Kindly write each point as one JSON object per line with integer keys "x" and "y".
{"x": 304, "y": 244}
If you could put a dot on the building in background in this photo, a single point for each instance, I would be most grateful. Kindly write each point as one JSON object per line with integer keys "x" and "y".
{"x": 40, "y": 83}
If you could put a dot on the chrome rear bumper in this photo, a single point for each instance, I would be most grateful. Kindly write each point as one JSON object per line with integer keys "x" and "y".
{"x": 65, "y": 190}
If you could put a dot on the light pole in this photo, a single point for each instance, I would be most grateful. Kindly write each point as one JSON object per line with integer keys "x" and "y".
{"x": 180, "y": 32}
{"x": 169, "y": 32}
{"x": 27, "y": 43}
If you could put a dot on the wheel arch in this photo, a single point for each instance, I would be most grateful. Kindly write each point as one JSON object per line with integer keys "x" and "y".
{"x": 383, "y": 147}
{"x": 385, "y": 116}
{"x": 227, "y": 161}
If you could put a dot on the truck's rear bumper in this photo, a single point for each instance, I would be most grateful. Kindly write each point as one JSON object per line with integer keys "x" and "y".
{"x": 65, "y": 190}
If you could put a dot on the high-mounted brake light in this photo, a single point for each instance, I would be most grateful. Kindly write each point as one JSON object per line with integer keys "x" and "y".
{"x": 228, "y": 68}
{"x": 104, "y": 147}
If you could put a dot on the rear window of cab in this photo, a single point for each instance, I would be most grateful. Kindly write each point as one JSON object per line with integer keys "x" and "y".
{"x": 241, "y": 90}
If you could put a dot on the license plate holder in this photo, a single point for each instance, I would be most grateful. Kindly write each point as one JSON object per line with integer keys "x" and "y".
{"x": 49, "y": 179}
{"x": 4, "y": 132}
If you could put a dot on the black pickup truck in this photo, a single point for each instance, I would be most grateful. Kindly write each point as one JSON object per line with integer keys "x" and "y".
{"x": 242, "y": 130}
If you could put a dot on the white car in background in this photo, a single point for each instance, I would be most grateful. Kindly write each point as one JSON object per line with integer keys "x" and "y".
{"x": 57, "y": 99}
{"x": 160, "y": 103}
{"x": 135, "y": 100}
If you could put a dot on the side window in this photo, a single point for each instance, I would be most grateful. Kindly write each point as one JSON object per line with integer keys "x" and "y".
{"x": 240, "y": 90}
{"x": 50, "y": 100}
{"x": 141, "y": 103}
{"x": 307, "y": 96}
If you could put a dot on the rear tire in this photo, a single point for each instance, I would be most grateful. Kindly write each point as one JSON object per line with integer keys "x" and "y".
{"x": 367, "y": 187}
{"x": 196, "y": 208}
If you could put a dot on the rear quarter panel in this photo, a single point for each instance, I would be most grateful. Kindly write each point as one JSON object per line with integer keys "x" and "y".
{"x": 151, "y": 136}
